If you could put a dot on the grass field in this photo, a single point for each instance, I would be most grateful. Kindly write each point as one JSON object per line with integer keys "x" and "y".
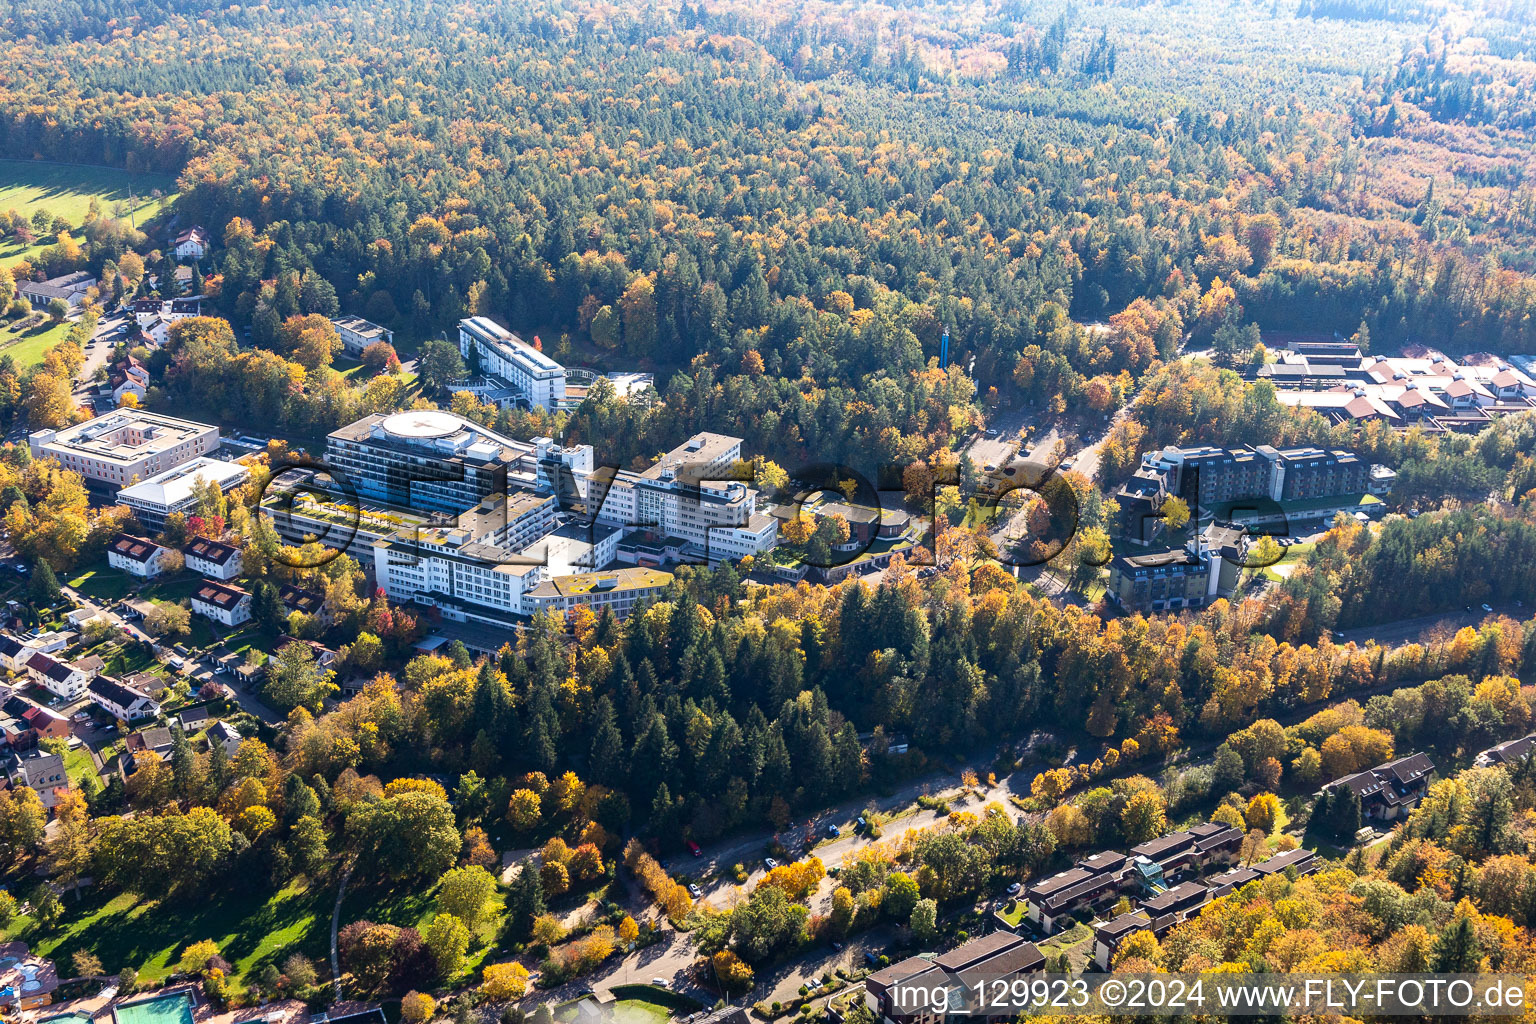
{"x": 27, "y": 348}
{"x": 66, "y": 190}
{"x": 101, "y": 582}
{"x": 1283, "y": 568}
{"x": 127, "y": 931}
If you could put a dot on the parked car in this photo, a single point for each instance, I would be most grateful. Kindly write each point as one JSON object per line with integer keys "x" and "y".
{"x": 693, "y": 848}
{"x": 694, "y": 890}
{"x": 770, "y": 863}
{"x": 834, "y": 831}
{"x": 659, "y": 982}
{"x": 1013, "y": 890}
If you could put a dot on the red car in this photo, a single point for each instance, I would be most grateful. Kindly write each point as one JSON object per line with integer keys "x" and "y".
{"x": 693, "y": 848}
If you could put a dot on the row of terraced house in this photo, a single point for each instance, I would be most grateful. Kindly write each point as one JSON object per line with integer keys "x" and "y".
{"x": 1100, "y": 880}
{"x": 1160, "y": 912}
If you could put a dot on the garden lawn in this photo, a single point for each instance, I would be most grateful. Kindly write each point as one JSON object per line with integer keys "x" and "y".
{"x": 149, "y": 935}
{"x": 79, "y": 766}
{"x": 639, "y": 1011}
{"x": 101, "y": 582}
{"x": 27, "y": 348}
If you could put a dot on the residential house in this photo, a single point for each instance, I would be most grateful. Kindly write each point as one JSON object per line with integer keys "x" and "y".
{"x": 57, "y": 677}
{"x": 122, "y": 701}
{"x": 1202, "y": 847}
{"x": 191, "y": 244}
{"x": 156, "y": 333}
{"x": 222, "y": 602}
{"x": 1175, "y": 905}
{"x": 1391, "y": 790}
{"x": 1304, "y": 862}
{"x": 14, "y": 653}
{"x": 80, "y": 616}
{"x": 155, "y": 741}
{"x": 44, "y": 774}
{"x": 1510, "y": 752}
{"x": 975, "y": 966}
{"x": 194, "y": 719}
{"x": 212, "y": 558}
{"x": 46, "y": 723}
{"x": 225, "y": 735}
{"x": 297, "y": 599}
{"x": 898, "y": 993}
{"x": 323, "y": 655}
{"x": 1089, "y": 884}
{"x": 146, "y": 311}
{"x": 132, "y": 379}
{"x": 1108, "y": 936}
{"x": 135, "y": 555}
{"x": 904, "y": 993}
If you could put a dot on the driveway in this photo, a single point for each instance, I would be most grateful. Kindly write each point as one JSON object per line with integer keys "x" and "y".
{"x": 96, "y": 353}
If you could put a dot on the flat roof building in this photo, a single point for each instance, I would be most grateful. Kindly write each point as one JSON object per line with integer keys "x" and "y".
{"x": 357, "y": 334}
{"x": 538, "y": 380}
{"x": 125, "y": 447}
{"x": 425, "y": 459}
{"x": 154, "y": 499}
{"x": 623, "y": 590}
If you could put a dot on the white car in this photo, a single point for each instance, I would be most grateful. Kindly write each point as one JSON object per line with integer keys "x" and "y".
{"x": 770, "y": 863}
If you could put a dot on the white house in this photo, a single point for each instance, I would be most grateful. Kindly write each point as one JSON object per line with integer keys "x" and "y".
{"x": 157, "y": 332}
{"x": 191, "y": 244}
{"x": 72, "y": 288}
{"x": 132, "y": 384}
{"x": 121, "y": 701}
{"x": 13, "y": 653}
{"x": 135, "y": 555}
{"x": 213, "y": 558}
{"x": 357, "y": 334}
{"x": 45, "y": 775}
{"x": 57, "y": 677}
{"x": 222, "y": 602}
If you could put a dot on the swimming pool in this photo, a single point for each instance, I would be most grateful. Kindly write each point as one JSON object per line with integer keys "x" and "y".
{"x": 174, "y": 1008}
{"x": 67, "y": 1018}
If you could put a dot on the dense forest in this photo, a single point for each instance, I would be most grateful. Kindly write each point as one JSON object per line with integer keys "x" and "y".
{"x": 778, "y": 209}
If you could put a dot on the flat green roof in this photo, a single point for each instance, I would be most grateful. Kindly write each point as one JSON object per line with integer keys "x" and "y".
{"x": 1295, "y": 507}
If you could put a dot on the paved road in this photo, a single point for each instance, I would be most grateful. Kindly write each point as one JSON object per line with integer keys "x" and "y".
{"x": 1428, "y": 629}
{"x": 96, "y": 353}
